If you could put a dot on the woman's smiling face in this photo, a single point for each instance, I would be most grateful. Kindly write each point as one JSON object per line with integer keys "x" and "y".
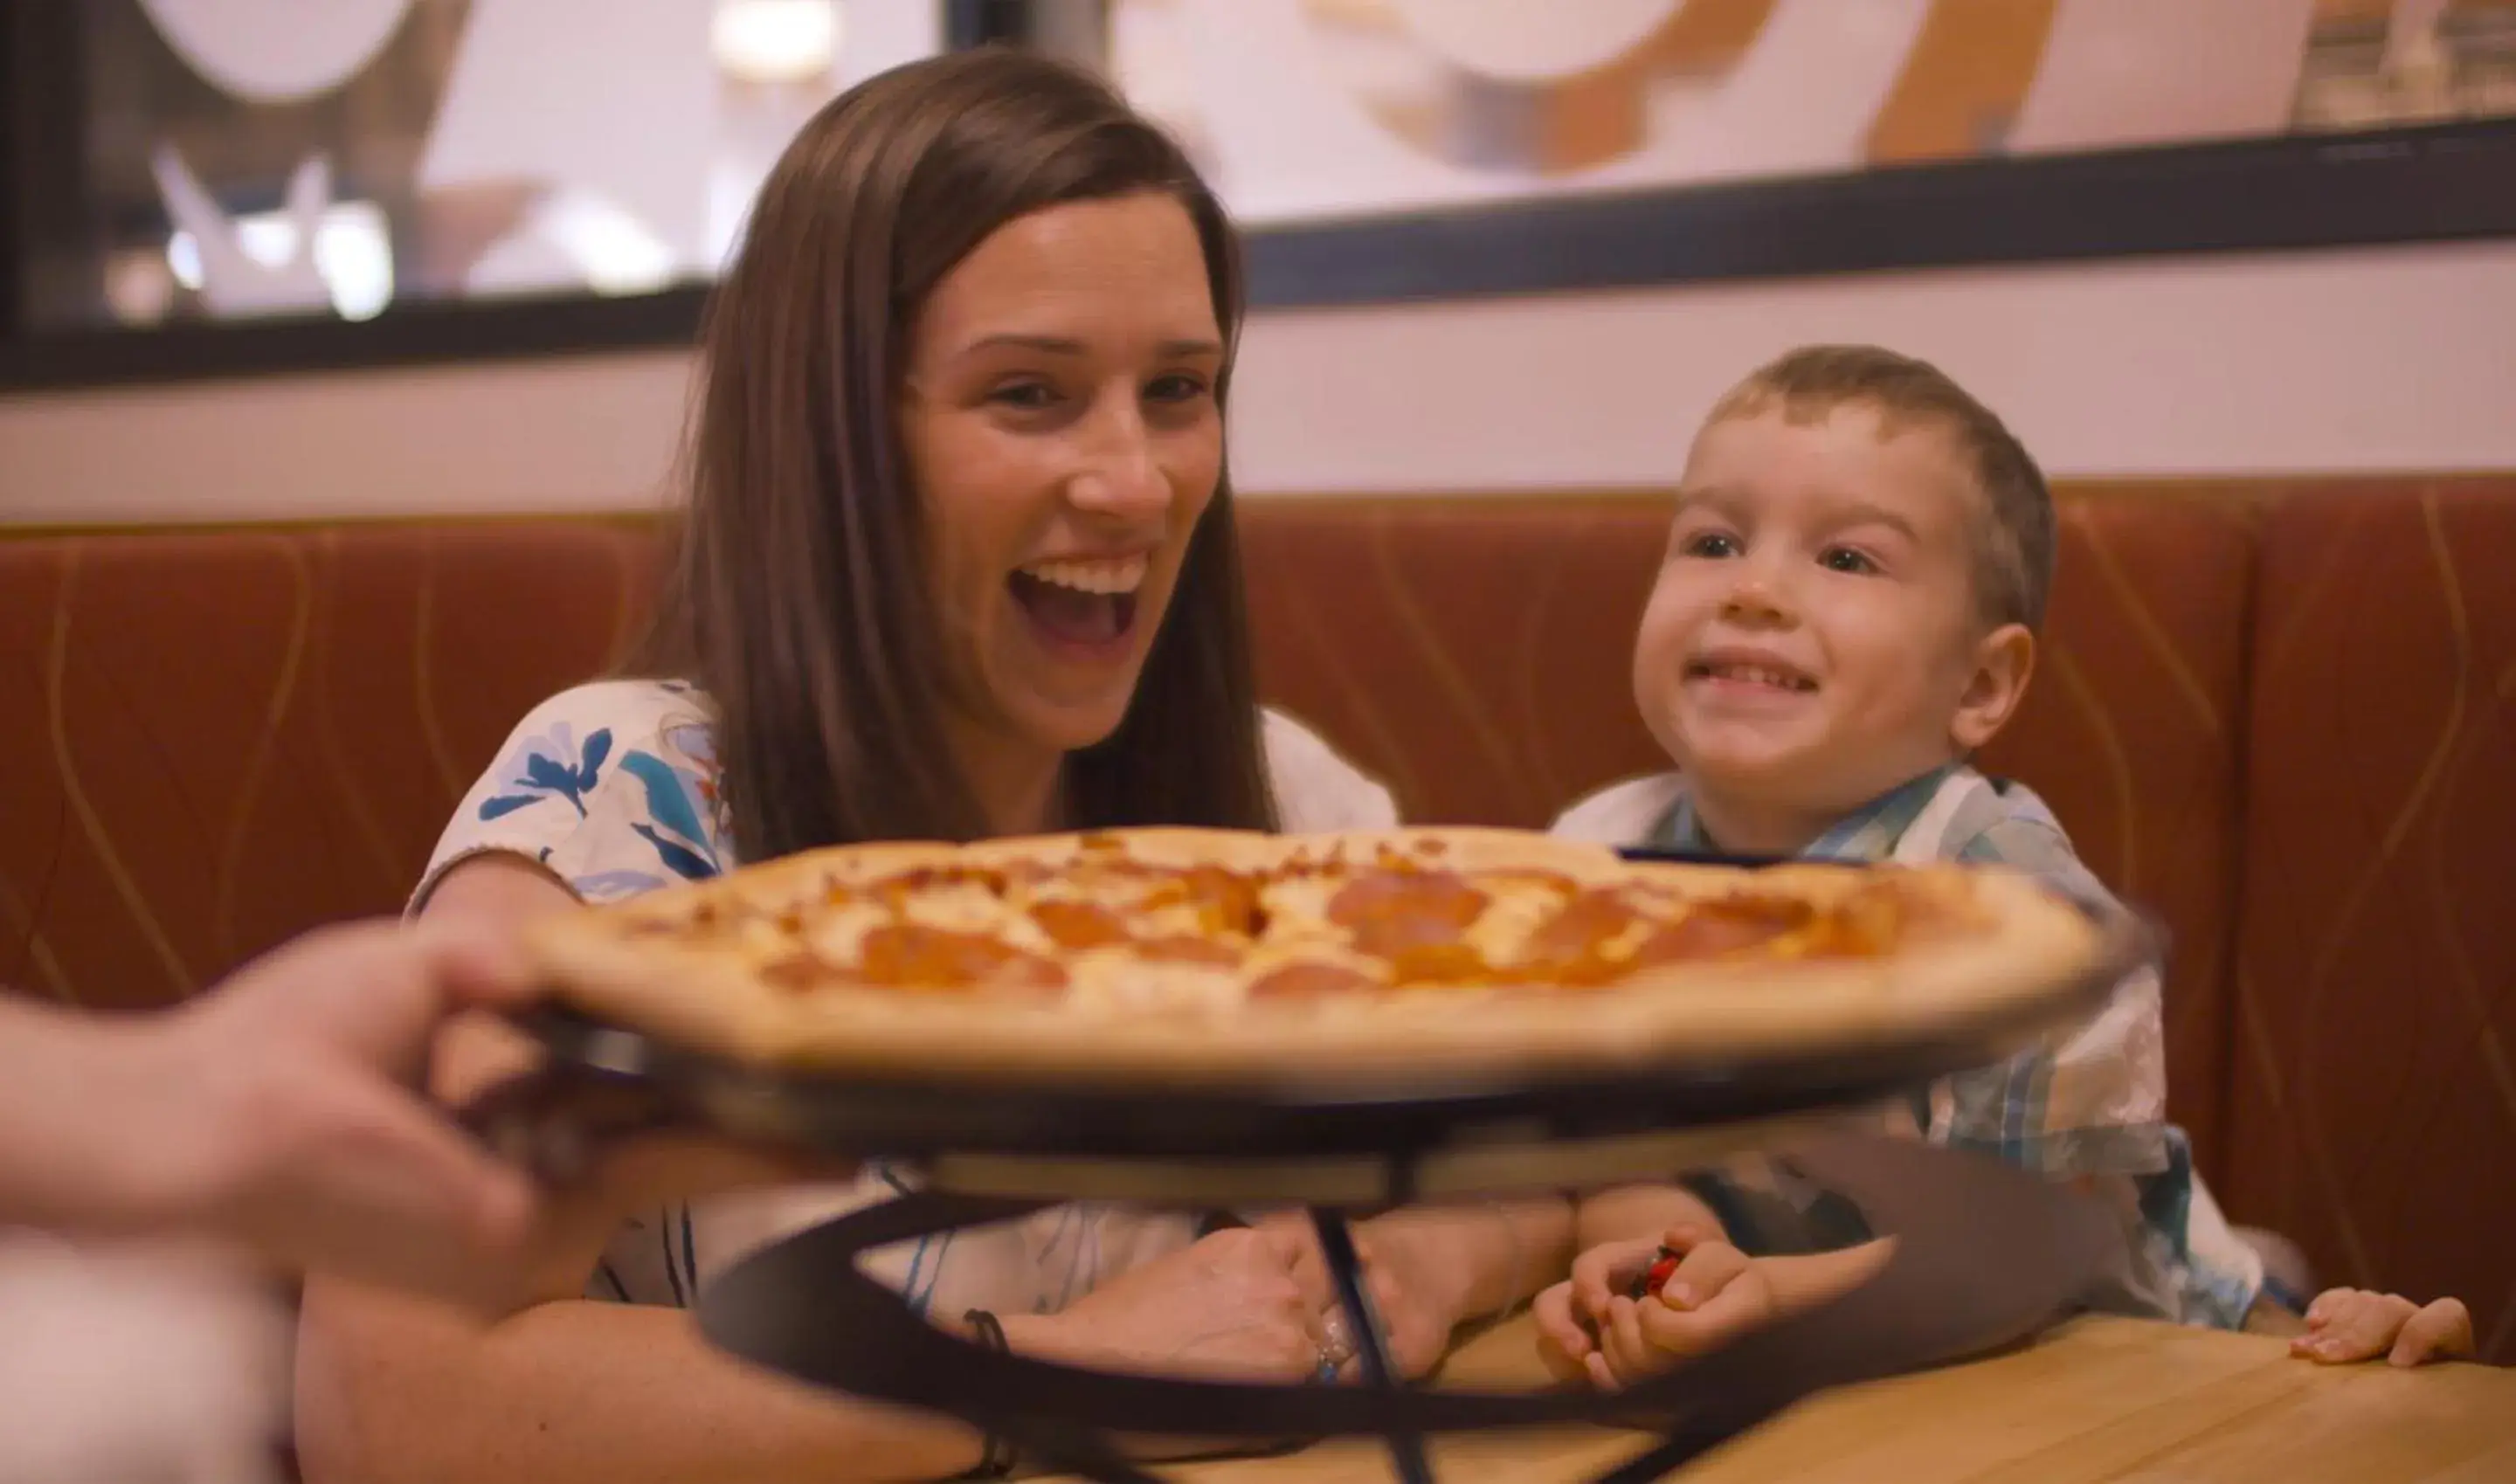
{"x": 1062, "y": 424}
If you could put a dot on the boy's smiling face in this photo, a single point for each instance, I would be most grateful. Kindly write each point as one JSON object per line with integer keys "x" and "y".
{"x": 1816, "y": 636}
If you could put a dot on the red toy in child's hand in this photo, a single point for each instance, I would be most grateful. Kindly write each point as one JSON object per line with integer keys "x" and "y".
{"x": 1663, "y": 1268}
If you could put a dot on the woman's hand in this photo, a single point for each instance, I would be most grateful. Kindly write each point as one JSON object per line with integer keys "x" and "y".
{"x": 1228, "y": 1307}
{"x": 1413, "y": 1274}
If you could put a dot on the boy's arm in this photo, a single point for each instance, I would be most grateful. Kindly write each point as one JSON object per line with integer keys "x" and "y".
{"x": 1629, "y": 1213}
{"x": 1804, "y": 1282}
{"x": 1591, "y": 1329}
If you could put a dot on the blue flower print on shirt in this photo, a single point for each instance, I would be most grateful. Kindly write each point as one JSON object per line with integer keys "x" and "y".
{"x": 694, "y": 743}
{"x": 683, "y": 816}
{"x": 550, "y": 766}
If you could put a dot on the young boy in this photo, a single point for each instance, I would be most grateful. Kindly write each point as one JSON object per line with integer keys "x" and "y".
{"x": 1848, "y": 611}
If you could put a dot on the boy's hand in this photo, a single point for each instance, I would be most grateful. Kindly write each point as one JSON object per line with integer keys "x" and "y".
{"x": 1589, "y": 1329}
{"x": 1565, "y": 1343}
{"x": 2349, "y": 1324}
{"x": 1567, "y": 1314}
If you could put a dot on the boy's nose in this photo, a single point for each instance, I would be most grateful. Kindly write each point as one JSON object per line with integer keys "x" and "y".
{"x": 1752, "y": 599}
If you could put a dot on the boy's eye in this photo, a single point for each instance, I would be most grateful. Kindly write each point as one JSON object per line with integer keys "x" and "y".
{"x": 1713, "y": 544}
{"x": 1843, "y": 559}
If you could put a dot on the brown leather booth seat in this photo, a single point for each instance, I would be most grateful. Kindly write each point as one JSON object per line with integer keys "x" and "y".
{"x": 2277, "y": 714}
{"x": 2372, "y": 1097}
{"x": 211, "y": 741}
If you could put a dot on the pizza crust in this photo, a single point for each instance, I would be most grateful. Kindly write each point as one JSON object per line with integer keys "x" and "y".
{"x": 2007, "y": 953}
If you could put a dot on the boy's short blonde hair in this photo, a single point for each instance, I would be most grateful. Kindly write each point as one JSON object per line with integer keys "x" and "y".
{"x": 2014, "y": 538}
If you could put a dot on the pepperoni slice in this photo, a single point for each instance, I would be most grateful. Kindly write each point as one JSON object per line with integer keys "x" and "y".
{"x": 1574, "y": 933}
{"x": 1436, "y": 895}
{"x": 1078, "y": 926}
{"x": 1718, "y": 928}
{"x": 1389, "y": 913}
{"x": 1310, "y": 981}
{"x": 1224, "y": 901}
{"x": 1186, "y": 948}
{"x": 911, "y": 955}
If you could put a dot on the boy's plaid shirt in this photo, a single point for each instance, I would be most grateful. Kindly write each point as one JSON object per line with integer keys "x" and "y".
{"x": 2087, "y": 1103}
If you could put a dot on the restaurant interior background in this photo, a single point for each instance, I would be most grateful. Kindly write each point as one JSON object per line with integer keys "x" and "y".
{"x": 539, "y": 154}
{"x": 2242, "y": 272}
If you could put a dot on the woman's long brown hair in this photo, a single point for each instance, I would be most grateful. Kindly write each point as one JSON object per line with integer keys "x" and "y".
{"x": 798, "y": 596}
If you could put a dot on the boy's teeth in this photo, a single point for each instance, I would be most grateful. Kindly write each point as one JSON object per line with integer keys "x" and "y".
{"x": 1757, "y": 675}
{"x": 1122, "y": 574}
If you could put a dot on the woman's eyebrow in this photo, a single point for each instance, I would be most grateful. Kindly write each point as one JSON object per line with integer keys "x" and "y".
{"x": 1059, "y": 345}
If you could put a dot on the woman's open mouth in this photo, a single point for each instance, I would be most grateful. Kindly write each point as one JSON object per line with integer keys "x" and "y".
{"x": 1080, "y": 604}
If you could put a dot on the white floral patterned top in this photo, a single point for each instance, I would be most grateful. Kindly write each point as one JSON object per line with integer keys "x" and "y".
{"x": 612, "y": 787}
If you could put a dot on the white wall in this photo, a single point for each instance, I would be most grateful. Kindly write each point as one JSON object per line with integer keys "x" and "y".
{"x": 2402, "y": 360}
{"x": 2366, "y": 360}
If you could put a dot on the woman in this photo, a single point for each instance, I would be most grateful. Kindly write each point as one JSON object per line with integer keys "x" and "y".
{"x": 959, "y": 562}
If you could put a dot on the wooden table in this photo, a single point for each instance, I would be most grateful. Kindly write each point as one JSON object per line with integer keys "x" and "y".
{"x": 2095, "y": 1401}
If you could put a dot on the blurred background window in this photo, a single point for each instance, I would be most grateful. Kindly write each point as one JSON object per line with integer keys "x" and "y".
{"x": 239, "y": 159}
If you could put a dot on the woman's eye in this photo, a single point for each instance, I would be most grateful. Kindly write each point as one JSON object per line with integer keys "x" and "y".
{"x": 1176, "y": 389}
{"x": 1713, "y": 544}
{"x": 1843, "y": 559}
{"x": 1030, "y": 396}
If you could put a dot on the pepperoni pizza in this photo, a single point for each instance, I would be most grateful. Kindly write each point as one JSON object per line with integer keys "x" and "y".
{"x": 1195, "y": 955}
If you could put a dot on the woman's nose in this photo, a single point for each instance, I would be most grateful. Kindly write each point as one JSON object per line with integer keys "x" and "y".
{"x": 1120, "y": 475}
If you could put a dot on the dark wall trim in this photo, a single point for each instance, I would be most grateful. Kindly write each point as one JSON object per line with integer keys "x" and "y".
{"x": 419, "y": 334}
{"x": 976, "y": 22}
{"x": 43, "y": 93}
{"x": 2443, "y": 183}
{"x": 13, "y": 281}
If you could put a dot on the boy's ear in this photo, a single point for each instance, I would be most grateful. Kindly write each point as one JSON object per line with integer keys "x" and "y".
{"x": 2002, "y": 663}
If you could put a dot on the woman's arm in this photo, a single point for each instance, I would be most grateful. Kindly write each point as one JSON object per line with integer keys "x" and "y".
{"x": 1489, "y": 1255}
{"x": 573, "y": 1389}
{"x": 558, "y": 1388}
{"x": 1431, "y": 1268}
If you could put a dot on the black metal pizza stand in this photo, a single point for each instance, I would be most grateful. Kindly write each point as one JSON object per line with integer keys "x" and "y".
{"x": 1984, "y": 1256}
{"x": 803, "y": 1308}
